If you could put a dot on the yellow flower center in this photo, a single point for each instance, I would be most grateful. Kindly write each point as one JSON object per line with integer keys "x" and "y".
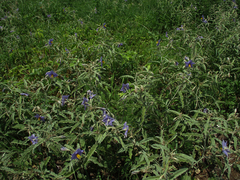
{"x": 39, "y": 118}
{"x": 78, "y": 156}
{"x": 189, "y": 65}
{"x": 52, "y": 76}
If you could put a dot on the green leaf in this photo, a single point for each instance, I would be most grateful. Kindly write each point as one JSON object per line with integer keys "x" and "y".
{"x": 92, "y": 150}
{"x": 178, "y": 173}
{"x": 152, "y": 178}
{"x": 185, "y": 158}
{"x": 181, "y": 98}
{"x": 94, "y": 160}
{"x": 159, "y": 146}
{"x": 19, "y": 126}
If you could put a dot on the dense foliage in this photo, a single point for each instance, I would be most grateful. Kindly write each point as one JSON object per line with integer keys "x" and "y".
{"x": 119, "y": 89}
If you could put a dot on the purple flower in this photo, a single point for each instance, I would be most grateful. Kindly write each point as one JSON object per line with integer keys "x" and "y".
{"x": 1, "y": 27}
{"x": 176, "y": 63}
{"x": 84, "y": 103}
{"x": 166, "y": 35}
{"x": 91, "y": 128}
{"x": 186, "y": 58}
{"x": 225, "y": 149}
{"x": 205, "y": 110}
{"x": 11, "y": 51}
{"x": 11, "y": 31}
{"x": 101, "y": 60}
{"x": 108, "y": 120}
{"x": 120, "y": 44}
{"x": 40, "y": 117}
{"x": 64, "y": 9}
{"x": 51, "y": 74}
{"x": 66, "y": 50}
{"x": 104, "y": 25}
{"x": 77, "y": 154}
{"x": 125, "y": 127}
{"x": 33, "y": 139}
{"x": 203, "y": 19}
{"x": 75, "y": 35}
{"x": 178, "y": 29}
{"x": 97, "y": 29}
{"x": 158, "y": 42}
{"x": 189, "y": 63}
{"x": 50, "y": 42}
{"x": 125, "y": 87}
{"x": 64, "y": 97}
{"x": 95, "y": 10}
{"x": 24, "y": 94}
{"x": 49, "y": 15}
{"x": 18, "y": 37}
{"x": 30, "y": 33}
{"x": 90, "y": 93}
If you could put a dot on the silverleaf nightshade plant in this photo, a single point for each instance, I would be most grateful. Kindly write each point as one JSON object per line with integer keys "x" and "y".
{"x": 51, "y": 74}
{"x": 77, "y": 154}
{"x": 104, "y": 25}
{"x": 33, "y": 139}
{"x": 158, "y": 42}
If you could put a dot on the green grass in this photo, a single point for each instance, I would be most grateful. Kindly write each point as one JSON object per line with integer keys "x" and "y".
{"x": 170, "y": 135}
